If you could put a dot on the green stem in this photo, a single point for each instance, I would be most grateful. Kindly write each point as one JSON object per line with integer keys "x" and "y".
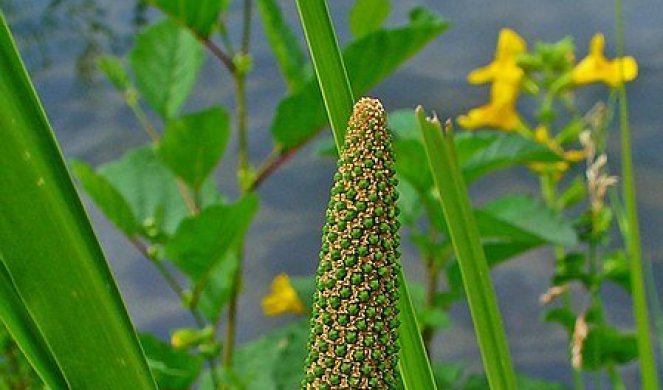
{"x": 179, "y": 291}
{"x": 640, "y": 310}
{"x": 243, "y": 173}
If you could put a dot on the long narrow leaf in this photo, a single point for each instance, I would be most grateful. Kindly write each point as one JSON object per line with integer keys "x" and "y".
{"x": 469, "y": 252}
{"x": 328, "y": 64}
{"x": 413, "y": 362}
{"x": 50, "y": 251}
{"x": 20, "y": 325}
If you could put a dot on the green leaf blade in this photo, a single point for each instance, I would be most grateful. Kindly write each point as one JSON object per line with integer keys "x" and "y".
{"x": 23, "y": 329}
{"x": 203, "y": 240}
{"x": 464, "y": 233}
{"x": 109, "y": 200}
{"x": 368, "y": 15}
{"x": 173, "y": 369}
{"x": 166, "y": 60}
{"x": 284, "y": 44}
{"x": 200, "y": 16}
{"x": 193, "y": 144}
{"x": 49, "y": 248}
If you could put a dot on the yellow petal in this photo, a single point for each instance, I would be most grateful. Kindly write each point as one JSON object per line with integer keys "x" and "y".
{"x": 509, "y": 44}
{"x": 282, "y": 299}
{"x": 502, "y": 117}
{"x": 621, "y": 70}
{"x": 597, "y": 46}
{"x": 482, "y": 75}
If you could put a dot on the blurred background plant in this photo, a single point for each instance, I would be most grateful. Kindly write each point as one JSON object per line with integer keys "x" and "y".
{"x": 164, "y": 196}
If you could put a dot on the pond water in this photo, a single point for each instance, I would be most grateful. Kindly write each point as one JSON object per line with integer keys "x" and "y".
{"x": 60, "y": 40}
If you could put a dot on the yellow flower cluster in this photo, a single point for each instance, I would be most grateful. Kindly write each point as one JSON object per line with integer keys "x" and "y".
{"x": 282, "y": 299}
{"x": 506, "y": 77}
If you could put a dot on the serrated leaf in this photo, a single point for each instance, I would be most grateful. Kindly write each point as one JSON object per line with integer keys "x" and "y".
{"x": 114, "y": 70}
{"x": 172, "y": 369}
{"x": 151, "y": 189}
{"x": 202, "y": 241}
{"x": 200, "y": 16}
{"x": 368, "y": 15}
{"x": 284, "y": 44}
{"x": 166, "y": 60}
{"x": 368, "y": 61}
{"x": 107, "y": 198}
{"x": 193, "y": 144}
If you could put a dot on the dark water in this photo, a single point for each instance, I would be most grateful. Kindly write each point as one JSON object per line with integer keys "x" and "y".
{"x": 61, "y": 39}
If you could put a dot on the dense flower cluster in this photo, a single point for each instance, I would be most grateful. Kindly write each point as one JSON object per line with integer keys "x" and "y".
{"x": 354, "y": 325}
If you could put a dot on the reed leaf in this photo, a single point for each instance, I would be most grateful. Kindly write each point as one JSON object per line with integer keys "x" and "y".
{"x": 474, "y": 269}
{"x": 50, "y": 252}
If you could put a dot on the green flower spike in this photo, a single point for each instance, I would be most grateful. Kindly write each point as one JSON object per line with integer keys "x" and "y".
{"x": 353, "y": 342}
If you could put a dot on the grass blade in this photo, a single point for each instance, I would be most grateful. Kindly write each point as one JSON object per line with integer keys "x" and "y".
{"x": 50, "y": 251}
{"x": 469, "y": 252}
{"x": 23, "y": 329}
{"x": 413, "y": 362}
{"x": 328, "y": 64}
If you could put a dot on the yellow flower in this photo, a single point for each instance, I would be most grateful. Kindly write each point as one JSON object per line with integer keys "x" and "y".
{"x": 505, "y": 76}
{"x": 596, "y": 68}
{"x": 542, "y": 136}
{"x": 504, "y": 67}
{"x": 499, "y": 113}
{"x": 282, "y": 299}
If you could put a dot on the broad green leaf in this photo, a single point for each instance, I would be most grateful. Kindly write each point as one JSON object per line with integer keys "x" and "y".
{"x": 616, "y": 268}
{"x": 218, "y": 287}
{"x": 484, "y": 152}
{"x": 112, "y": 67}
{"x": 368, "y": 61}
{"x": 202, "y": 241}
{"x": 607, "y": 345}
{"x": 50, "y": 251}
{"x": 274, "y": 361}
{"x": 106, "y": 197}
{"x": 534, "y": 217}
{"x": 166, "y": 60}
{"x": 16, "y": 318}
{"x": 368, "y": 15}
{"x": 151, "y": 190}
{"x": 284, "y": 44}
{"x": 193, "y": 144}
{"x": 173, "y": 369}
{"x": 200, "y": 16}
{"x": 403, "y": 124}
{"x": 410, "y": 158}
